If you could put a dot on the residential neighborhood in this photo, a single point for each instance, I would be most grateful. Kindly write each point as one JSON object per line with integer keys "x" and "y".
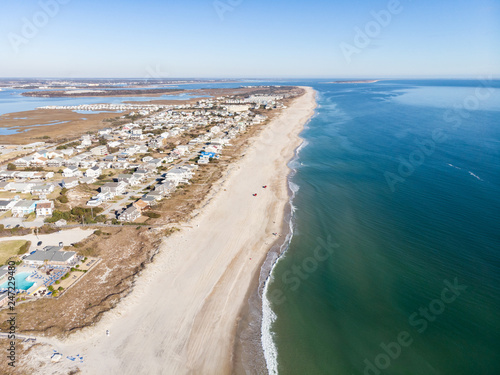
{"x": 147, "y": 158}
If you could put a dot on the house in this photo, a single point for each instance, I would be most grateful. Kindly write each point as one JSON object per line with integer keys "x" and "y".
{"x": 72, "y": 171}
{"x": 56, "y": 162}
{"x": 87, "y": 163}
{"x": 54, "y": 154}
{"x": 42, "y": 189}
{"x": 149, "y": 200}
{"x": 73, "y": 162}
{"x": 104, "y": 131}
{"x": 23, "y": 207}
{"x": 52, "y": 255}
{"x": 115, "y": 188}
{"x": 140, "y": 204}
{"x": 39, "y": 160}
{"x": 6, "y": 205}
{"x": 110, "y": 158}
{"x": 69, "y": 182}
{"x": 87, "y": 180}
{"x": 20, "y": 187}
{"x": 99, "y": 150}
{"x": 86, "y": 141}
{"x": 130, "y": 214}
{"x": 155, "y": 163}
{"x": 23, "y": 162}
{"x": 93, "y": 172}
{"x": 165, "y": 188}
{"x": 68, "y": 151}
{"x": 178, "y": 176}
{"x": 155, "y": 194}
{"x": 44, "y": 208}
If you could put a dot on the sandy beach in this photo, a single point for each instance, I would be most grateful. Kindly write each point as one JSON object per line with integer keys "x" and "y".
{"x": 182, "y": 314}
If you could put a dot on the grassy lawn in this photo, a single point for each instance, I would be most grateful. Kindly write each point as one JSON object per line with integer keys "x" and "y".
{"x": 8, "y": 249}
{"x": 31, "y": 217}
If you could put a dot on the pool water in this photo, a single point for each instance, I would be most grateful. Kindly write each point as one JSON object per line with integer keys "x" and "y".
{"x": 21, "y": 282}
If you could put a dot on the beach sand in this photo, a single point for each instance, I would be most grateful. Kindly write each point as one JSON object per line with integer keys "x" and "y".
{"x": 182, "y": 314}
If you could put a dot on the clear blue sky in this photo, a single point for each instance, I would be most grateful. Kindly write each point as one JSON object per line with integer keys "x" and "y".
{"x": 248, "y": 38}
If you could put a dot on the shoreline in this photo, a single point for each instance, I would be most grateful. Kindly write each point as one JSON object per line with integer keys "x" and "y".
{"x": 248, "y": 336}
{"x": 182, "y": 315}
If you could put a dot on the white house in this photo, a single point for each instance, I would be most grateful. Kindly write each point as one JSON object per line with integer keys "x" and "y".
{"x": 72, "y": 172}
{"x": 44, "y": 208}
{"x": 93, "y": 172}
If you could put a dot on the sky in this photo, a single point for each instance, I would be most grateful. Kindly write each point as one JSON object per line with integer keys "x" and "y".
{"x": 250, "y": 38}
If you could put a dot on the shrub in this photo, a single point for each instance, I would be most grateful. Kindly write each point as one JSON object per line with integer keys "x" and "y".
{"x": 153, "y": 215}
{"x": 23, "y": 249}
{"x": 63, "y": 199}
{"x": 11, "y": 167}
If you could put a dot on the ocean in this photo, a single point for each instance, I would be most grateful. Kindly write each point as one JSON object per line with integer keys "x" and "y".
{"x": 394, "y": 262}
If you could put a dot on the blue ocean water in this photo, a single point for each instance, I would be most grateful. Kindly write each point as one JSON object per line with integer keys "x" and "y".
{"x": 394, "y": 264}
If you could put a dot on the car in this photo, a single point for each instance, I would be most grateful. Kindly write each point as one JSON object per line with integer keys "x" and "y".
{"x": 7, "y": 226}
{"x": 39, "y": 243}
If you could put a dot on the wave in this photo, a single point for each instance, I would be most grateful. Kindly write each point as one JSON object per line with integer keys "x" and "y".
{"x": 266, "y": 276}
{"x": 268, "y": 315}
{"x": 475, "y": 175}
{"x": 454, "y": 166}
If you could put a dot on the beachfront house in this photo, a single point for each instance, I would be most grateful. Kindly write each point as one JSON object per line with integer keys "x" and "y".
{"x": 52, "y": 255}
{"x": 130, "y": 214}
{"x": 178, "y": 176}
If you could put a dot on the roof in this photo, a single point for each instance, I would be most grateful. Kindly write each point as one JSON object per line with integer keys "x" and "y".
{"x": 51, "y": 254}
{"x": 44, "y": 205}
{"x": 27, "y": 203}
{"x": 5, "y": 203}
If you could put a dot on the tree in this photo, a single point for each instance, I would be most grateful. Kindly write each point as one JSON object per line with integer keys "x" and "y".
{"x": 11, "y": 167}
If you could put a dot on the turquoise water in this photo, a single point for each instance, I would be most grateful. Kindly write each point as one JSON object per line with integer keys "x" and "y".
{"x": 21, "y": 282}
{"x": 394, "y": 265}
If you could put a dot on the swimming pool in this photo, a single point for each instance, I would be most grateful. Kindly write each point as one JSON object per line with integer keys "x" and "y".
{"x": 21, "y": 282}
